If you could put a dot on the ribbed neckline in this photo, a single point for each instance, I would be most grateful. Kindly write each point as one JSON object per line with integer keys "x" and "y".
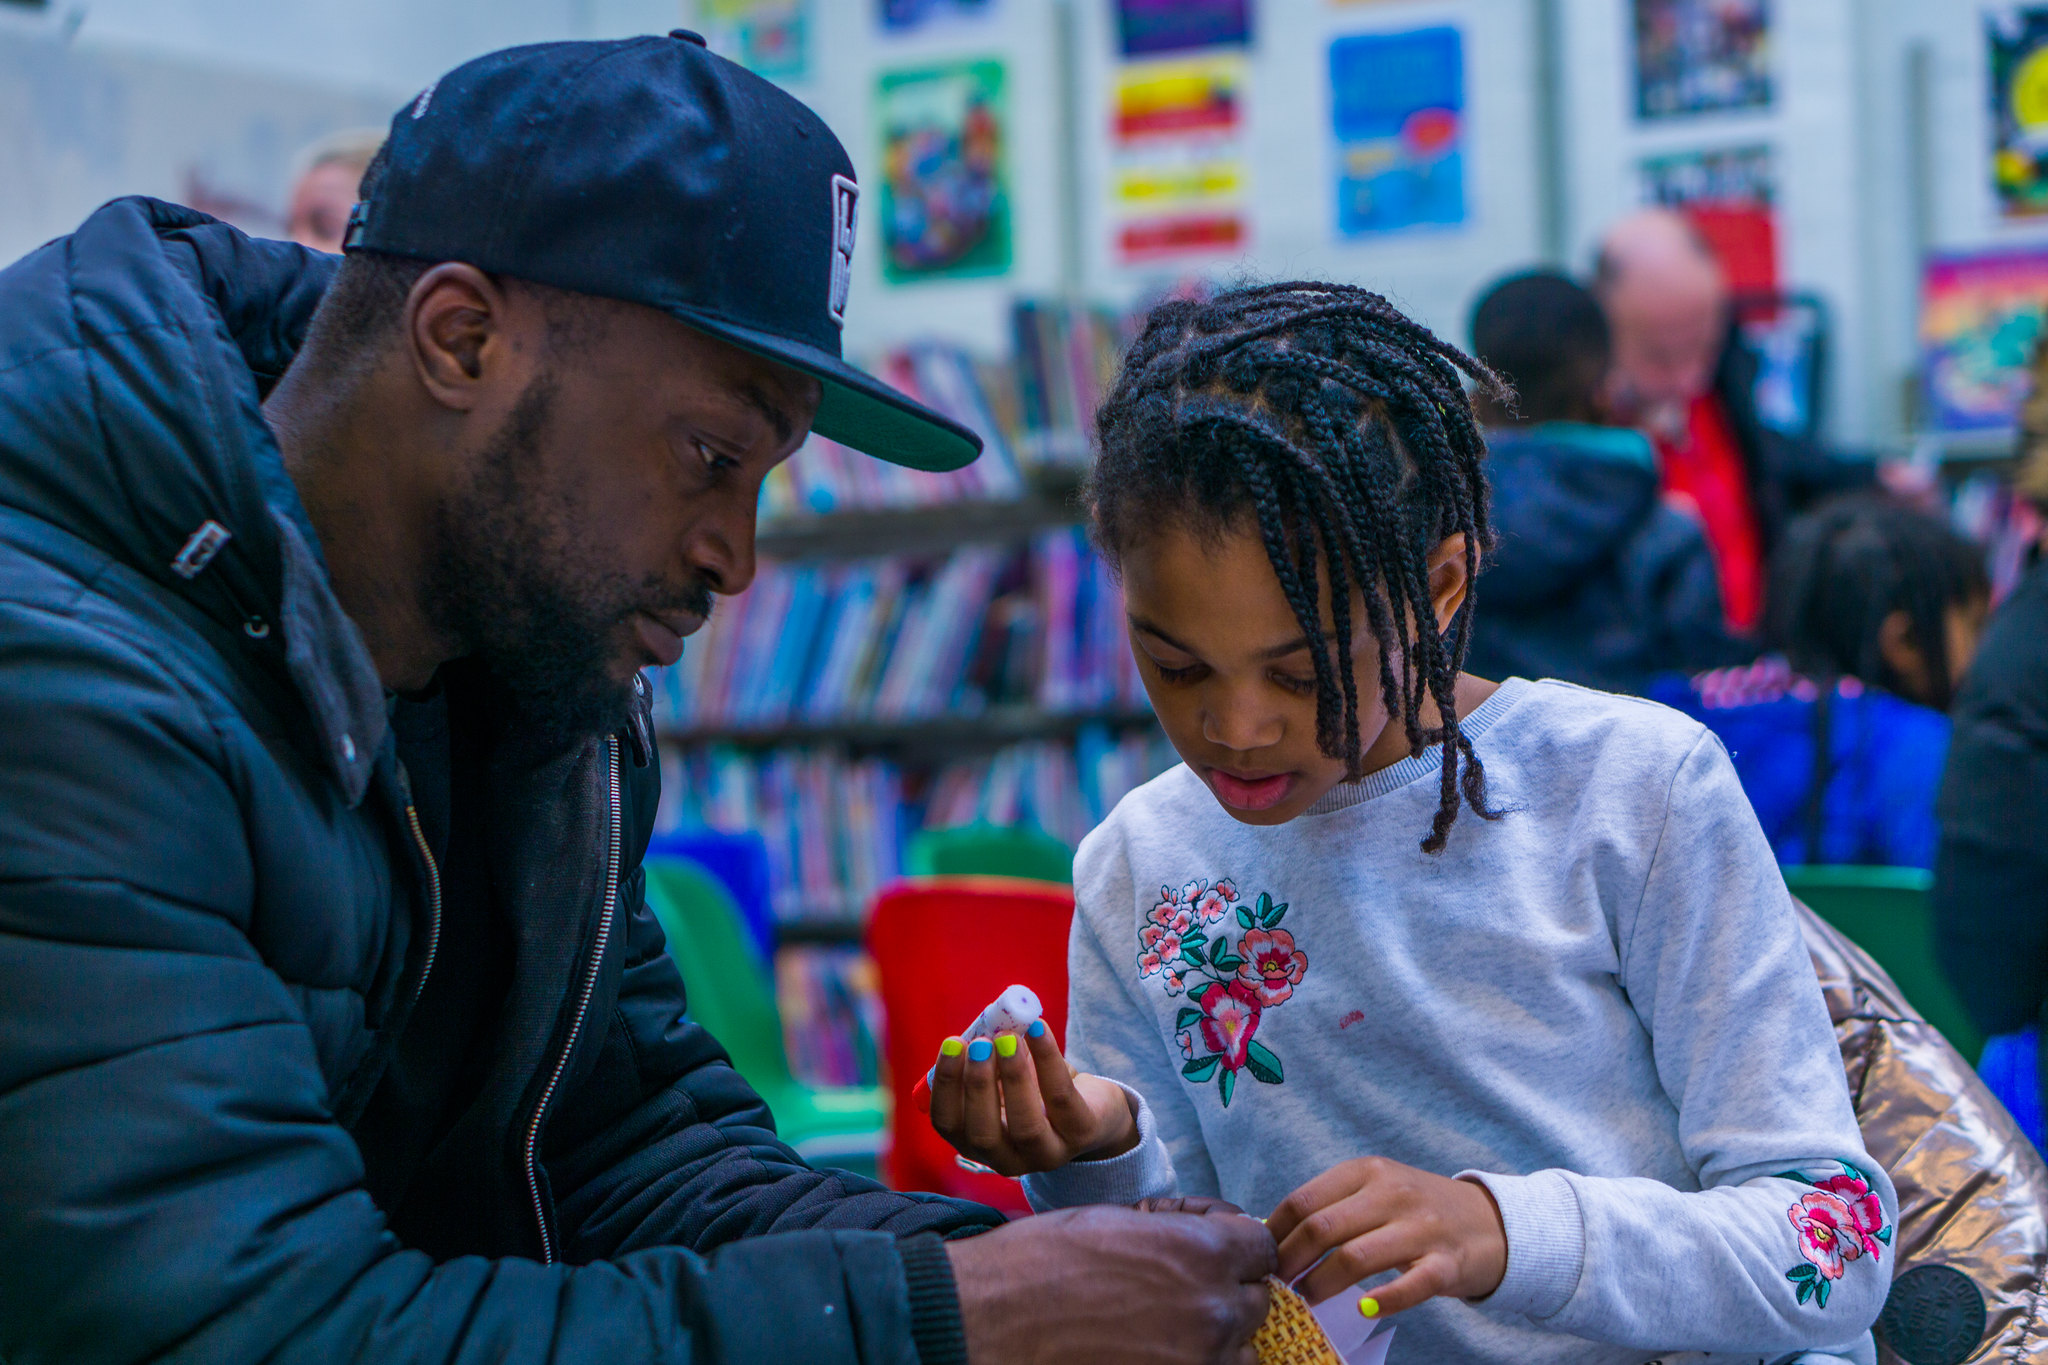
{"x": 1398, "y": 775}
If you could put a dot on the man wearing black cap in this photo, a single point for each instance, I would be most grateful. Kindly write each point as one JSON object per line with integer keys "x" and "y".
{"x": 332, "y": 1022}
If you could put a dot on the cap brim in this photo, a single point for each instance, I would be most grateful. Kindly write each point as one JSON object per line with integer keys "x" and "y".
{"x": 856, "y": 409}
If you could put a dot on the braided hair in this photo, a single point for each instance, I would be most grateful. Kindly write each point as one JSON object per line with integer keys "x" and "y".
{"x": 1342, "y": 429}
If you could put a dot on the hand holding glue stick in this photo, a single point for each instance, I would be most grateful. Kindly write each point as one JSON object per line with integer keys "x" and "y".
{"x": 1003, "y": 1096}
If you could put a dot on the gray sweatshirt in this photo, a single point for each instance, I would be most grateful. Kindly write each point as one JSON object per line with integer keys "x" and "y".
{"x": 1599, "y": 1005}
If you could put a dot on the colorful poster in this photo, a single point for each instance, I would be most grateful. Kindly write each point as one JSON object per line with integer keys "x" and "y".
{"x": 1980, "y": 317}
{"x": 768, "y": 37}
{"x": 1179, "y": 179}
{"x": 2018, "y": 40}
{"x": 1397, "y": 104}
{"x": 1145, "y": 28}
{"x": 1701, "y": 56}
{"x": 904, "y": 16}
{"x": 945, "y": 174}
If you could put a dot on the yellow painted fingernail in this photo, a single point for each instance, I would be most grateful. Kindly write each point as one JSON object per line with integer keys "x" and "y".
{"x": 1369, "y": 1306}
{"x": 952, "y": 1047}
{"x": 1006, "y": 1045}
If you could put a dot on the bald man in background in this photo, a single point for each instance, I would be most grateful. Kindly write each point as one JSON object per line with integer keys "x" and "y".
{"x": 1679, "y": 376}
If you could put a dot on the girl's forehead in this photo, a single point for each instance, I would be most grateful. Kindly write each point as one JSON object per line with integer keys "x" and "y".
{"x": 1213, "y": 590}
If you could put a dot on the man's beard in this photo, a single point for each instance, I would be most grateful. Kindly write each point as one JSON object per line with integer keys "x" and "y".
{"x": 517, "y": 584}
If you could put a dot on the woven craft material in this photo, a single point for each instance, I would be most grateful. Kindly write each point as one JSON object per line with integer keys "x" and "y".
{"x": 1290, "y": 1334}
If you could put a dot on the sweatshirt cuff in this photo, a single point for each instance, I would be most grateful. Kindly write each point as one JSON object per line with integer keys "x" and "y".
{"x": 1144, "y": 1172}
{"x": 935, "y": 1325}
{"x": 1546, "y": 1241}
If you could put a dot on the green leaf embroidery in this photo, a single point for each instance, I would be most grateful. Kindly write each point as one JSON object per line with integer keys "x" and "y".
{"x": 1244, "y": 917}
{"x": 1228, "y": 1085}
{"x": 1800, "y": 1272}
{"x": 1885, "y": 1235}
{"x": 1794, "y": 1175}
{"x": 1265, "y": 904}
{"x": 1271, "y": 919}
{"x": 1228, "y": 963}
{"x": 1219, "y": 947}
{"x": 1201, "y": 1069}
{"x": 1821, "y": 1291}
{"x": 1806, "y": 1290}
{"x": 1264, "y": 1066}
{"x": 1186, "y": 1019}
{"x": 1191, "y": 951}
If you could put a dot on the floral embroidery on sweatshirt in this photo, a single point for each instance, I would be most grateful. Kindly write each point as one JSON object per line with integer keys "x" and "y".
{"x": 1840, "y": 1220}
{"x": 1230, "y": 982}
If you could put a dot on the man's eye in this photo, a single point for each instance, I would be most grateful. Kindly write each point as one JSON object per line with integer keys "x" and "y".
{"x": 714, "y": 461}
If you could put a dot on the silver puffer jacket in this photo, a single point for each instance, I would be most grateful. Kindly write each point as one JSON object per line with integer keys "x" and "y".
{"x": 1972, "y": 1242}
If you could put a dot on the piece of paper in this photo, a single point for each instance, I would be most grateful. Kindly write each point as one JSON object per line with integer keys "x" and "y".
{"x": 1397, "y": 103}
{"x": 945, "y": 176}
{"x": 1145, "y": 27}
{"x": 1359, "y": 1339}
{"x": 2017, "y": 45}
{"x": 1701, "y": 56}
{"x": 768, "y": 37}
{"x": 1179, "y": 178}
{"x": 1980, "y": 318}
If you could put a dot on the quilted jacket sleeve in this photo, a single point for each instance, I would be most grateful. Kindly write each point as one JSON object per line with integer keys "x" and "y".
{"x": 176, "y": 1188}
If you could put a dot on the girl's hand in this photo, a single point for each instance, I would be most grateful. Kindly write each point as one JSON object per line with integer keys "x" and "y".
{"x": 1015, "y": 1105}
{"x": 1373, "y": 1215}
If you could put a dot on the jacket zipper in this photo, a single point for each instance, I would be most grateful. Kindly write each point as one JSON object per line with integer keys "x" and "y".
{"x": 604, "y": 933}
{"x": 419, "y": 837}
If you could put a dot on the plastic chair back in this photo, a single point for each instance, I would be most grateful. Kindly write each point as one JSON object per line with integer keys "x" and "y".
{"x": 740, "y": 862}
{"x": 729, "y": 989}
{"x": 1884, "y": 911}
{"x": 989, "y": 851}
{"x": 945, "y": 947}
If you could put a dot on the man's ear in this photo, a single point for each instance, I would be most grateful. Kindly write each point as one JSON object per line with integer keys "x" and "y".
{"x": 1449, "y": 583}
{"x": 457, "y": 321}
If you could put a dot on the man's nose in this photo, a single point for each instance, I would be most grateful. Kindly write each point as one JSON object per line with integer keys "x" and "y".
{"x": 721, "y": 549}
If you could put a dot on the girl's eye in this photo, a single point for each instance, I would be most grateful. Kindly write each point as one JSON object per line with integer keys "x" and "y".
{"x": 1188, "y": 673}
{"x": 1299, "y": 686}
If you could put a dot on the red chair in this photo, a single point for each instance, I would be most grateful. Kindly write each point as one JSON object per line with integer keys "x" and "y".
{"x": 945, "y": 947}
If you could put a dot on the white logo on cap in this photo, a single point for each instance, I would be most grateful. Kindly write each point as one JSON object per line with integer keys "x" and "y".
{"x": 844, "y": 195}
{"x": 419, "y": 106}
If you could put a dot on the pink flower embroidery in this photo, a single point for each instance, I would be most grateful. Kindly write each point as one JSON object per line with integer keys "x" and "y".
{"x": 1166, "y": 915}
{"x": 1214, "y": 903}
{"x": 1828, "y": 1236}
{"x": 1272, "y": 964}
{"x": 1186, "y": 1040}
{"x": 1230, "y": 1016}
{"x": 1174, "y": 984}
{"x": 1866, "y": 1213}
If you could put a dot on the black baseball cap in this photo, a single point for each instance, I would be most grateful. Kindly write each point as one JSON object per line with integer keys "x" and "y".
{"x": 650, "y": 170}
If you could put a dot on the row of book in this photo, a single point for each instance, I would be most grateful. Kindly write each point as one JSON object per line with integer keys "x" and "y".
{"x": 898, "y": 639}
{"x": 830, "y": 998}
{"x": 1066, "y": 357}
{"x": 836, "y": 825}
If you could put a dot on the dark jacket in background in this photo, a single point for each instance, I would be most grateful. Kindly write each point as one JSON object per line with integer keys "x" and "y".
{"x": 217, "y": 914}
{"x": 1594, "y": 579}
{"x": 1991, "y": 869}
{"x": 1787, "y": 474}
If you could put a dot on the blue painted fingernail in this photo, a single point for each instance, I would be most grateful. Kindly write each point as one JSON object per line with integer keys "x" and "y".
{"x": 1037, "y": 1029}
{"x": 980, "y": 1050}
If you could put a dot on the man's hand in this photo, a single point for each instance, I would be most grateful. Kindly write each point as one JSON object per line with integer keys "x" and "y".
{"x": 1016, "y": 1106}
{"x": 1373, "y": 1215}
{"x": 1103, "y": 1284}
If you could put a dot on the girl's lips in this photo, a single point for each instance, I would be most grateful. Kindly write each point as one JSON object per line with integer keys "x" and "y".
{"x": 1251, "y": 793}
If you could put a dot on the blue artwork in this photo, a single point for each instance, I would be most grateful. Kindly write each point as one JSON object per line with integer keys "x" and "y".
{"x": 1397, "y": 103}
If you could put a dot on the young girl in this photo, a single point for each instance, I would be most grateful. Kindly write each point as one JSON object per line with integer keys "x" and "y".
{"x": 1489, "y": 994}
{"x": 1840, "y": 742}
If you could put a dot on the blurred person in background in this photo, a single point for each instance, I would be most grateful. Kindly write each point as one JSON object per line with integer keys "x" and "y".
{"x": 333, "y": 1022}
{"x": 1991, "y": 873}
{"x": 1595, "y": 578}
{"x": 325, "y": 184}
{"x": 1681, "y": 377}
{"x": 1839, "y": 740}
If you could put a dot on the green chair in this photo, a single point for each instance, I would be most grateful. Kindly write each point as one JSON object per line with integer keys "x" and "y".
{"x": 732, "y": 993}
{"x": 989, "y": 851}
{"x": 1884, "y": 911}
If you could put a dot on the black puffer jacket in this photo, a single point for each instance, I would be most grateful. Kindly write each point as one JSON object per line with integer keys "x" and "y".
{"x": 216, "y": 912}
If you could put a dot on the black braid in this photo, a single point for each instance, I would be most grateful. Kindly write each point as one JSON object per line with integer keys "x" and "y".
{"x": 1341, "y": 430}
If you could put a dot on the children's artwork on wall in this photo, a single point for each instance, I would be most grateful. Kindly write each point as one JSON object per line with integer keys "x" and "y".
{"x": 1730, "y": 194}
{"x": 1701, "y": 56}
{"x": 1179, "y": 180}
{"x": 1397, "y": 104}
{"x": 904, "y": 16}
{"x": 945, "y": 194}
{"x": 768, "y": 37}
{"x": 2018, "y": 49}
{"x": 1980, "y": 316}
{"x": 1147, "y": 27}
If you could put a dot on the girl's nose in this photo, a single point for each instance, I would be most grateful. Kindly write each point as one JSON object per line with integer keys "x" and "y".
{"x": 1237, "y": 723}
